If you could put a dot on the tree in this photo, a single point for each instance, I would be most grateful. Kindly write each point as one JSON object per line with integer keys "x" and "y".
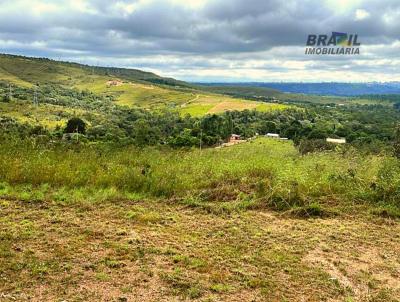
{"x": 6, "y": 98}
{"x": 145, "y": 134}
{"x": 185, "y": 139}
{"x": 270, "y": 126}
{"x": 75, "y": 125}
{"x": 397, "y": 142}
{"x": 317, "y": 133}
{"x": 313, "y": 145}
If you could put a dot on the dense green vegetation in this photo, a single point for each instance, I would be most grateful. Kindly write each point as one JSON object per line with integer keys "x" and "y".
{"x": 369, "y": 127}
{"x": 262, "y": 173}
{"x": 368, "y": 122}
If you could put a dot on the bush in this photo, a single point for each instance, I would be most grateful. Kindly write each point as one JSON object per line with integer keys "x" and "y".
{"x": 313, "y": 145}
{"x": 75, "y": 125}
{"x": 387, "y": 186}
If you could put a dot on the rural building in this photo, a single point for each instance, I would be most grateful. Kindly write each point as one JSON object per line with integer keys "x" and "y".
{"x": 272, "y": 135}
{"x": 336, "y": 140}
{"x": 234, "y": 138}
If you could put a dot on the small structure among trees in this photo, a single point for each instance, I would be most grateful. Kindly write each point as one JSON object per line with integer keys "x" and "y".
{"x": 272, "y": 135}
{"x": 336, "y": 140}
{"x": 234, "y": 138}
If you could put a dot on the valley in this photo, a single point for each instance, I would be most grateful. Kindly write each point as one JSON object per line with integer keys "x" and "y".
{"x": 115, "y": 185}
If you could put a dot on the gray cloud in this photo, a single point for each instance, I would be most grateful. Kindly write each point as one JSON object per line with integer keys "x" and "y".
{"x": 176, "y": 38}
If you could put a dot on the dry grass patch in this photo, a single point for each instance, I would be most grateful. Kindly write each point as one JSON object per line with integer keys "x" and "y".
{"x": 233, "y": 105}
{"x": 113, "y": 251}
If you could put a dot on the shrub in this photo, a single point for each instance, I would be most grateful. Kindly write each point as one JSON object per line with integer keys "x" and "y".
{"x": 313, "y": 145}
{"x": 75, "y": 125}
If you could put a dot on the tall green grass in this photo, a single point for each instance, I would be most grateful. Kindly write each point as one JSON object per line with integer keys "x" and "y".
{"x": 263, "y": 171}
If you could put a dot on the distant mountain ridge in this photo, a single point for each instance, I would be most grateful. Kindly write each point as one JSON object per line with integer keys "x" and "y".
{"x": 324, "y": 88}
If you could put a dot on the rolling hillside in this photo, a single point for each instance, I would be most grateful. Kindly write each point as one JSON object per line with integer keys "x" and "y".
{"x": 131, "y": 203}
{"x": 126, "y": 87}
{"x": 44, "y": 71}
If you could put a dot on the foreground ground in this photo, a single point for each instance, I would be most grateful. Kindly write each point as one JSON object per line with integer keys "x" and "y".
{"x": 147, "y": 250}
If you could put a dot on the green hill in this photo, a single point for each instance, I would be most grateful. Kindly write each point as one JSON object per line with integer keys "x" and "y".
{"x": 136, "y": 88}
{"x": 126, "y": 87}
{"x": 44, "y": 71}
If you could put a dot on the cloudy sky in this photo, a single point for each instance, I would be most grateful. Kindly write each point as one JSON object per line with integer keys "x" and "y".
{"x": 208, "y": 40}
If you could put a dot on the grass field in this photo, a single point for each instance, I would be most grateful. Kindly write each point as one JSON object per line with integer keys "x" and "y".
{"x": 47, "y": 115}
{"x": 44, "y": 71}
{"x": 136, "y": 94}
{"x": 263, "y": 224}
{"x": 244, "y": 170}
{"x": 209, "y": 104}
{"x": 12, "y": 79}
{"x": 188, "y": 102}
{"x": 133, "y": 91}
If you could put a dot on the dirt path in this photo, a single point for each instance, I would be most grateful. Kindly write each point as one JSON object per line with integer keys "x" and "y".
{"x": 156, "y": 251}
{"x": 191, "y": 100}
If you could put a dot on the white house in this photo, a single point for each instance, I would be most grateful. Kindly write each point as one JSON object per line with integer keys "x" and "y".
{"x": 234, "y": 138}
{"x": 336, "y": 140}
{"x": 272, "y": 135}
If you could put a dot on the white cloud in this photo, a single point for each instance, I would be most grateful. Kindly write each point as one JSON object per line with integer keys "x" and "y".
{"x": 194, "y": 4}
{"x": 361, "y": 14}
{"x": 44, "y": 7}
{"x": 342, "y": 6}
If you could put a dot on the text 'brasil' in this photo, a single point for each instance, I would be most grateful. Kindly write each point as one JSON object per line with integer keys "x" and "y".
{"x": 335, "y": 44}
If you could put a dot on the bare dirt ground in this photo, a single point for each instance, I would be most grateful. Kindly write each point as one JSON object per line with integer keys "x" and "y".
{"x": 232, "y": 105}
{"x": 160, "y": 251}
